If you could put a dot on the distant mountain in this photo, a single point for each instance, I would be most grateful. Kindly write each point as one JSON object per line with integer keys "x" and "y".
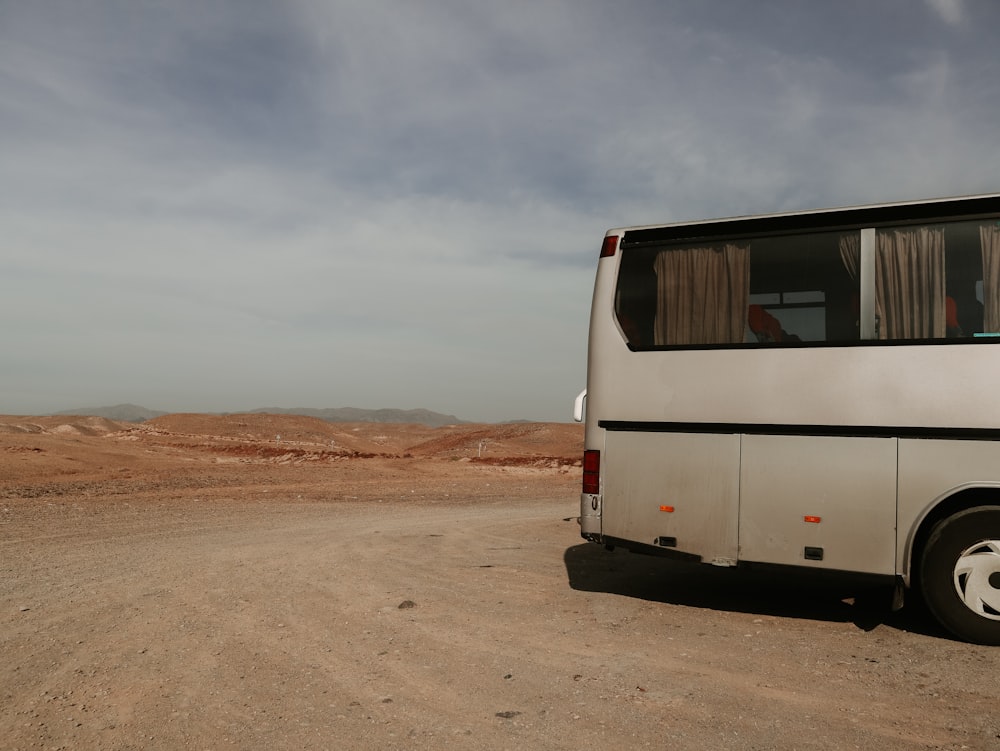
{"x": 120, "y": 412}
{"x": 135, "y": 413}
{"x": 352, "y": 414}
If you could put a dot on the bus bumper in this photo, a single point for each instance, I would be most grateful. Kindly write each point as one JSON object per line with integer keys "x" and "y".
{"x": 590, "y": 517}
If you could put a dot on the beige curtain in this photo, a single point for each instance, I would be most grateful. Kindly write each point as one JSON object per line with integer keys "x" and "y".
{"x": 910, "y": 283}
{"x": 850, "y": 253}
{"x": 989, "y": 236}
{"x": 702, "y": 294}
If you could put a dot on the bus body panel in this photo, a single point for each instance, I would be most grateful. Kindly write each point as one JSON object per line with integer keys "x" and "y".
{"x": 916, "y": 386}
{"x": 932, "y": 471}
{"x": 819, "y": 502}
{"x": 674, "y": 490}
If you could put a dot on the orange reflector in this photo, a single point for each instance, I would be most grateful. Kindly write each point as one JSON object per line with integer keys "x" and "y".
{"x": 812, "y": 519}
{"x": 668, "y": 509}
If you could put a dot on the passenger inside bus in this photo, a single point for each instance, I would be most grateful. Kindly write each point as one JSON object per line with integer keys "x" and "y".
{"x": 766, "y": 328}
{"x": 952, "y": 327}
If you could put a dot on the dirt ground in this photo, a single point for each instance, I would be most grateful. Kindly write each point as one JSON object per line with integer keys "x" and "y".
{"x": 264, "y": 582}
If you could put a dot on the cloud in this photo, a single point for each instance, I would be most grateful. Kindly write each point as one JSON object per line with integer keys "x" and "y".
{"x": 222, "y": 205}
{"x": 950, "y": 11}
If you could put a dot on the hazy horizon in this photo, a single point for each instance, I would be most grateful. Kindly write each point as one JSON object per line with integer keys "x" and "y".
{"x": 126, "y": 407}
{"x": 214, "y": 205}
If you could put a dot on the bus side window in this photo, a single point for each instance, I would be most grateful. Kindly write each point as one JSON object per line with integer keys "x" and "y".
{"x": 801, "y": 288}
{"x": 929, "y": 280}
{"x": 965, "y": 256}
{"x": 770, "y": 290}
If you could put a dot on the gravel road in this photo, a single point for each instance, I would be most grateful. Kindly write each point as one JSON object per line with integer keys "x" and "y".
{"x": 398, "y": 604}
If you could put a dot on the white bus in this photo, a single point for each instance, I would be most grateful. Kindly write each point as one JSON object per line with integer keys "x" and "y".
{"x": 814, "y": 389}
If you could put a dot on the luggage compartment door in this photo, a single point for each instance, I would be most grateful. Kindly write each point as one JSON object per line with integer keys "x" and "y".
{"x": 678, "y": 491}
{"x": 819, "y": 501}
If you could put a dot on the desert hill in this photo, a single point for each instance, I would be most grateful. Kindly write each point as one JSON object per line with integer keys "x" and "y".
{"x": 119, "y": 412}
{"x": 353, "y": 414}
{"x": 59, "y": 425}
{"x": 135, "y": 413}
{"x": 265, "y": 435}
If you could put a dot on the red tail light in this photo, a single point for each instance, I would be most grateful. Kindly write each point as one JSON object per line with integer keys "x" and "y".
{"x": 610, "y": 246}
{"x": 592, "y": 472}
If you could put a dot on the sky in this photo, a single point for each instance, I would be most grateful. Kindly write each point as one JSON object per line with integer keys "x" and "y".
{"x": 222, "y": 205}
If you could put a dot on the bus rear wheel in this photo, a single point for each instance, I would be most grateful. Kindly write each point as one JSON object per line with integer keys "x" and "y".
{"x": 960, "y": 574}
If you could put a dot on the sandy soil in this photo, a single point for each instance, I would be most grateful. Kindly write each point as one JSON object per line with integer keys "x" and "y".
{"x": 198, "y": 583}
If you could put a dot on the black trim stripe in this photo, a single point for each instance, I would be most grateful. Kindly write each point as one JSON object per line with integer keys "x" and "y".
{"x": 957, "y": 209}
{"x": 852, "y": 431}
{"x": 977, "y": 341}
{"x": 655, "y": 550}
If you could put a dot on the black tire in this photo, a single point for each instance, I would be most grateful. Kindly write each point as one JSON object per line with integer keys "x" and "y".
{"x": 965, "y": 599}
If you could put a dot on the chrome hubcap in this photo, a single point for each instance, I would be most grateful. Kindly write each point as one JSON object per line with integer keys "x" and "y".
{"x": 977, "y": 578}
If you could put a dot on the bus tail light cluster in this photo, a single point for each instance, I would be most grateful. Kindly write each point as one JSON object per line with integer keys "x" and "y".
{"x": 592, "y": 471}
{"x": 609, "y": 246}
